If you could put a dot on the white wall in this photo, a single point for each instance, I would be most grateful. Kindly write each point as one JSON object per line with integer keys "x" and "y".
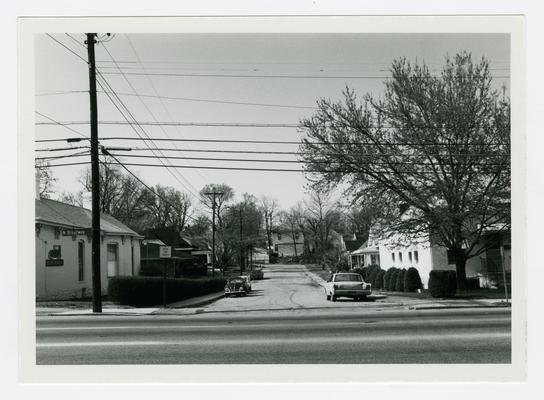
{"x": 62, "y": 282}
{"x": 285, "y": 244}
{"x": 424, "y": 265}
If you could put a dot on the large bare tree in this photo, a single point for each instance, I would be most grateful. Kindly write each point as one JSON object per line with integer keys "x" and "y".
{"x": 435, "y": 148}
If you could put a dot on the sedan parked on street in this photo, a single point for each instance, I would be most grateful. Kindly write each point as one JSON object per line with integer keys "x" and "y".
{"x": 347, "y": 284}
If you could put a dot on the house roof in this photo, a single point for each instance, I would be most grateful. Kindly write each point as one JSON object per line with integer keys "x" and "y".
{"x": 352, "y": 245}
{"x": 61, "y": 214}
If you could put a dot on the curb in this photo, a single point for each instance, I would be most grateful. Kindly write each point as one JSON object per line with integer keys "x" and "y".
{"x": 190, "y": 304}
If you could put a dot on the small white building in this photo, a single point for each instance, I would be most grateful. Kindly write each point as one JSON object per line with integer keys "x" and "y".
{"x": 63, "y": 250}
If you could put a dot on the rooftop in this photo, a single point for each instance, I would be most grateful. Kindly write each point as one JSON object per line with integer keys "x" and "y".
{"x": 61, "y": 214}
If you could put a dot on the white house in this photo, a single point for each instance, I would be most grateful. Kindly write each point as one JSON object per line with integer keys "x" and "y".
{"x": 287, "y": 244}
{"x": 63, "y": 250}
{"x": 424, "y": 255}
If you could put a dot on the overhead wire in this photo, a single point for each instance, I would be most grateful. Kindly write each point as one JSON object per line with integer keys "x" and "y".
{"x": 192, "y": 191}
{"x": 164, "y": 108}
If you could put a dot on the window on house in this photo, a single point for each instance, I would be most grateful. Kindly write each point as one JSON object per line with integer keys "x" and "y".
{"x": 393, "y": 256}
{"x": 410, "y": 256}
{"x": 279, "y": 236}
{"x": 400, "y": 256}
{"x": 81, "y": 260}
{"x": 113, "y": 259}
{"x": 296, "y": 236}
{"x": 416, "y": 256}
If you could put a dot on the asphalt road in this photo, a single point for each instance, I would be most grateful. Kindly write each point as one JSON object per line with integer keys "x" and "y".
{"x": 286, "y": 320}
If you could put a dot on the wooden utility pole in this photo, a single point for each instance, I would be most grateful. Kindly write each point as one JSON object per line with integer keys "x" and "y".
{"x": 213, "y": 194}
{"x": 241, "y": 245}
{"x": 95, "y": 178}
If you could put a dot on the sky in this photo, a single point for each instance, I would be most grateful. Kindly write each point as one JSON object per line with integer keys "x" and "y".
{"x": 181, "y": 78}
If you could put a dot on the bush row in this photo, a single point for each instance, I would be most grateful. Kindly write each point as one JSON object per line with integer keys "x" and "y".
{"x": 147, "y": 291}
{"x": 392, "y": 280}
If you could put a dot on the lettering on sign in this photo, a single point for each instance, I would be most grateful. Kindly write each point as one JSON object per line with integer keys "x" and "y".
{"x": 165, "y": 252}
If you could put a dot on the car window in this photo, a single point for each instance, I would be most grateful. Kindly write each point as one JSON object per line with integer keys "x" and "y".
{"x": 348, "y": 278}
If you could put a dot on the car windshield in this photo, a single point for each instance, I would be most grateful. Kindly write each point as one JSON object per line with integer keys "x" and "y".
{"x": 348, "y": 278}
{"x": 236, "y": 280}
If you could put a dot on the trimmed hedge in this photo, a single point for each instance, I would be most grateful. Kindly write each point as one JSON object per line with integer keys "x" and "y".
{"x": 412, "y": 280}
{"x": 399, "y": 284}
{"x": 147, "y": 291}
{"x": 379, "y": 281}
{"x": 391, "y": 281}
{"x": 442, "y": 283}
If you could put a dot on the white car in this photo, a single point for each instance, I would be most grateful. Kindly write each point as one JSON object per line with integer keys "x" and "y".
{"x": 347, "y": 284}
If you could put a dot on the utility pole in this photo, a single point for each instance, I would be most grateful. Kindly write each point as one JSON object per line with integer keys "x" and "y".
{"x": 95, "y": 178}
{"x": 213, "y": 194}
{"x": 241, "y": 246}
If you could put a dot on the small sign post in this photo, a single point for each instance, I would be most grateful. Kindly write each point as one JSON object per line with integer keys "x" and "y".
{"x": 164, "y": 252}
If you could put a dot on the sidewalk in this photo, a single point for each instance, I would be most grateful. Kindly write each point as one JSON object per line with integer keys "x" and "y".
{"x": 126, "y": 310}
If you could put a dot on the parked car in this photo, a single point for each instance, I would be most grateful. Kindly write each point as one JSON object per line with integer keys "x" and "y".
{"x": 256, "y": 274}
{"x": 347, "y": 284}
{"x": 237, "y": 286}
{"x": 247, "y": 279}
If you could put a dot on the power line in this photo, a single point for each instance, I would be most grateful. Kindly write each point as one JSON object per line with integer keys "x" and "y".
{"x": 264, "y": 76}
{"x": 54, "y": 122}
{"x": 135, "y": 123}
{"x": 79, "y": 154}
{"x": 63, "y": 148}
{"x": 294, "y": 153}
{"x": 146, "y": 186}
{"x": 143, "y": 131}
{"x": 69, "y": 49}
{"x": 163, "y": 106}
{"x": 242, "y": 103}
{"x": 159, "y": 123}
{"x": 343, "y": 170}
{"x": 296, "y": 161}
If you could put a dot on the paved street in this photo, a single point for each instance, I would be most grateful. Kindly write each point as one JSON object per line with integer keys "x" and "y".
{"x": 285, "y": 320}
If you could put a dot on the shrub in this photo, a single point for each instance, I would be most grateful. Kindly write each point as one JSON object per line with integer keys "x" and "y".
{"x": 390, "y": 279}
{"x": 273, "y": 258}
{"x": 473, "y": 283}
{"x": 147, "y": 291}
{"x": 442, "y": 283}
{"x": 379, "y": 281}
{"x": 412, "y": 280}
{"x": 399, "y": 284}
{"x": 373, "y": 271}
{"x": 151, "y": 268}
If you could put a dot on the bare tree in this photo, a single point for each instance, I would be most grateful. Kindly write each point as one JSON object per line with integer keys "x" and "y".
{"x": 321, "y": 215}
{"x": 435, "y": 149}
{"x": 268, "y": 208}
{"x": 45, "y": 177}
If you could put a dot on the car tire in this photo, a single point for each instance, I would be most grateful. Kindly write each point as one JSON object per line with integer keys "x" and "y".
{"x": 333, "y": 297}
{"x": 328, "y": 297}
{"x": 362, "y": 298}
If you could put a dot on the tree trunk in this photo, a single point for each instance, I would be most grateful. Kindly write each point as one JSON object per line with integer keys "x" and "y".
{"x": 460, "y": 268}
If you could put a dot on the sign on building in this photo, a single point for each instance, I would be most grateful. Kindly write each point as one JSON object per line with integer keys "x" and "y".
{"x": 165, "y": 251}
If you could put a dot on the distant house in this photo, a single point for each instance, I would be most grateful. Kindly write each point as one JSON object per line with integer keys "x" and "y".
{"x": 188, "y": 254}
{"x": 287, "y": 244}
{"x": 63, "y": 250}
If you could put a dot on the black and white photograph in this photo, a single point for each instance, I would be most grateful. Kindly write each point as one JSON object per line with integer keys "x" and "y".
{"x": 296, "y": 197}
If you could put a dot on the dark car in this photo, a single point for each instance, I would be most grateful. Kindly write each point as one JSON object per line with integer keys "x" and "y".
{"x": 257, "y": 274}
{"x": 237, "y": 286}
